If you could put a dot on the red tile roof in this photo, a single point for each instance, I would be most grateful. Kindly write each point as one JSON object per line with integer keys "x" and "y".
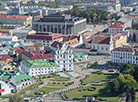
{"x": 1, "y": 32}
{"x": 93, "y": 50}
{"x": 123, "y": 49}
{"x": 100, "y": 40}
{"x": 115, "y": 36}
{"x": 14, "y": 16}
{"x": 38, "y": 54}
{"x": 117, "y": 25}
{"x": 4, "y": 57}
{"x": 55, "y": 43}
{"x": 44, "y": 36}
{"x": 19, "y": 50}
{"x": 2, "y": 11}
{"x": 85, "y": 35}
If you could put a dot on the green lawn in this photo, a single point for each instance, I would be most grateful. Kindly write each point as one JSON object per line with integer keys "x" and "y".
{"x": 61, "y": 79}
{"x": 43, "y": 89}
{"x": 101, "y": 92}
{"x": 49, "y": 76}
{"x": 97, "y": 77}
{"x": 59, "y": 84}
{"x": 30, "y": 87}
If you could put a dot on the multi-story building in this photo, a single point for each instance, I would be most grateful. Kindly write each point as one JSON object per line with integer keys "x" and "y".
{"x": 22, "y": 33}
{"x": 5, "y": 36}
{"x": 118, "y": 27}
{"x": 2, "y": 12}
{"x": 39, "y": 67}
{"x": 37, "y": 54}
{"x": 125, "y": 55}
{"x": 16, "y": 19}
{"x": 127, "y": 2}
{"x": 63, "y": 61}
{"x": 44, "y": 38}
{"x": 134, "y": 16}
{"x": 118, "y": 39}
{"x": 64, "y": 58}
{"x": 59, "y": 23}
{"x": 101, "y": 45}
{"x": 114, "y": 1}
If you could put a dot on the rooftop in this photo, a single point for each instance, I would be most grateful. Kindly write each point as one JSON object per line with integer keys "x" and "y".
{"x": 14, "y": 16}
{"x": 117, "y": 25}
{"x": 45, "y": 36}
{"x": 123, "y": 49}
{"x": 22, "y": 77}
{"x": 37, "y": 54}
{"x": 39, "y": 63}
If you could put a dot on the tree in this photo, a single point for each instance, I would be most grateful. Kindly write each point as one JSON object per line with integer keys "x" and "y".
{"x": 125, "y": 84}
{"x": 15, "y": 98}
{"x": 127, "y": 68}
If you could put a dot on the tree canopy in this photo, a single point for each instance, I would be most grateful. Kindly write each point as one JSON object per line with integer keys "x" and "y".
{"x": 100, "y": 15}
{"x": 15, "y": 98}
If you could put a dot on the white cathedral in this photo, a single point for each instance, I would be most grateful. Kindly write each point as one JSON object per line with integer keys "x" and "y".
{"x": 64, "y": 57}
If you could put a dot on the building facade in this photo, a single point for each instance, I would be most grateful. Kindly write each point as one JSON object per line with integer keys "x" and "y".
{"x": 58, "y": 23}
{"x": 39, "y": 67}
{"x": 118, "y": 27}
{"x": 101, "y": 45}
{"x": 16, "y": 19}
{"x": 64, "y": 58}
{"x": 125, "y": 55}
{"x": 44, "y": 38}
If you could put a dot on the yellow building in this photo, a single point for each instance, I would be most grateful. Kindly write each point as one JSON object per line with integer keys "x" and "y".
{"x": 119, "y": 40}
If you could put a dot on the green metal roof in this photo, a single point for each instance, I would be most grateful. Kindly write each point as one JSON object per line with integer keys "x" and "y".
{"x": 16, "y": 71}
{"x": 79, "y": 55}
{"x": 5, "y": 77}
{"x": 22, "y": 77}
{"x": 28, "y": 44}
{"x": 9, "y": 47}
{"x": 2, "y": 71}
{"x": 39, "y": 63}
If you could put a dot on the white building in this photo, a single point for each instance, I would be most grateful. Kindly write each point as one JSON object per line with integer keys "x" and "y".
{"x": 125, "y": 55}
{"x": 5, "y": 88}
{"x": 118, "y": 27}
{"x": 64, "y": 58}
{"x": 63, "y": 61}
{"x": 39, "y": 67}
{"x": 101, "y": 45}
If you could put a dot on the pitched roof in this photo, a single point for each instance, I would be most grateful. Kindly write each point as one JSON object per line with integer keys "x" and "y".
{"x": 44, "y": 36}
{"x": 115, "y": 36}
{"x": 117, "y": 25}
{"x": 19, "y": 50}
{"x": 4, "y": 57}
{"x": 73, "y": 41}
{"x": 14, "y": 16}
{"x": 123, "y": 49}
{"x": 100, "y": 40}
{"x": 21, "y": 78}
{"x": 38, "y": 54}
{"x": 55, "y": 43}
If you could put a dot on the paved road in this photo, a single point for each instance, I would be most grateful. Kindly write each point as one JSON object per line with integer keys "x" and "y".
{"x": 98, "y": 28}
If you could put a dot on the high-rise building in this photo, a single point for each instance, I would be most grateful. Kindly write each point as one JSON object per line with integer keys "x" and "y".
{"x": 126, "y": 2}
